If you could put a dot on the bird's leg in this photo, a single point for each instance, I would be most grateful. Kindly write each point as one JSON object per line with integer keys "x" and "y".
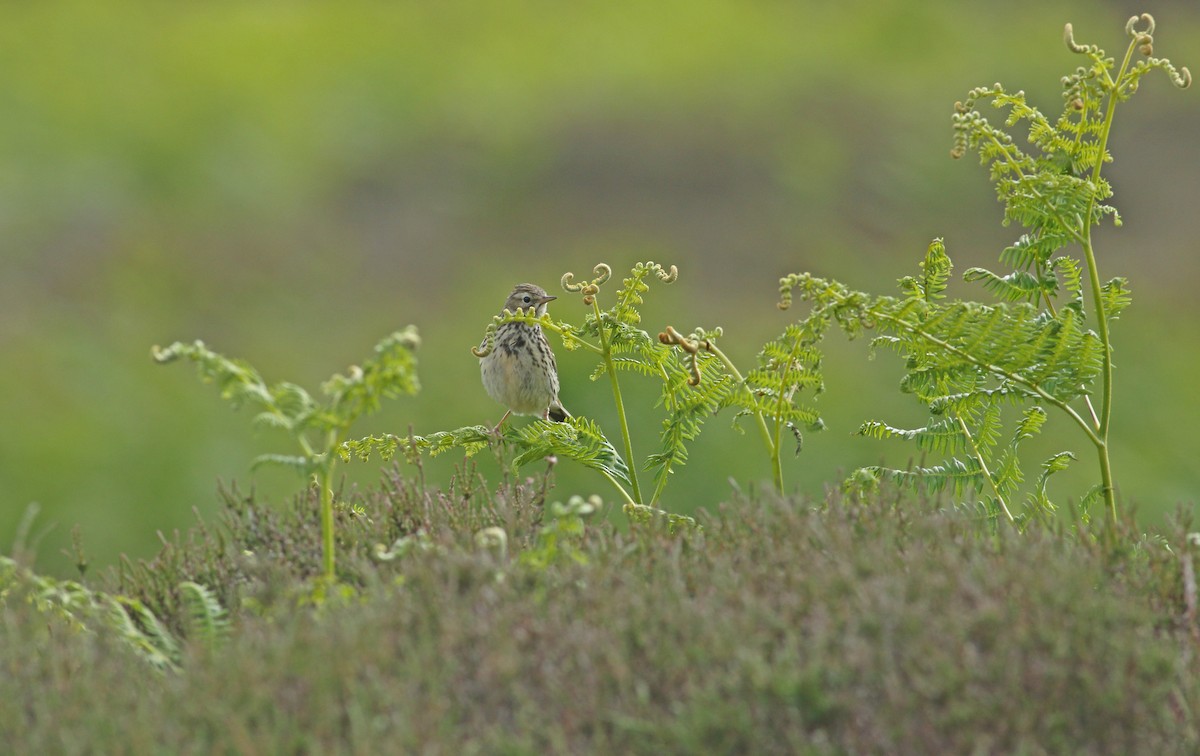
{"x": 496, "y": 430}
{"x": 551, "y": 460}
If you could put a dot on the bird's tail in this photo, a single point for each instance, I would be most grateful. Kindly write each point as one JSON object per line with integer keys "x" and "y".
{"x": 557, "y": 412}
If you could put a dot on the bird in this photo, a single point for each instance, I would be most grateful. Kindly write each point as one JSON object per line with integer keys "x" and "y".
{"x": 519, "y": 371}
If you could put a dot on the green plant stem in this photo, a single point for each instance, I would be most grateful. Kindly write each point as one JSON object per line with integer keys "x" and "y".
{"x": 325, "y": 481}
{"x": 772, "y": 443}
{"x": 327, "y": 542}
{"x": 606, "y": 352}
{"x": 624, "y": 494}
{"x": 1106, "y": 387}
{"x": 546, "y": 322}
{"x": 983, "y": 465}
{"x": 783, "y": 397}
{"x": 1100, "y": 439}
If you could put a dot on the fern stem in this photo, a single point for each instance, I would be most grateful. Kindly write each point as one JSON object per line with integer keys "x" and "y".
{"x": 545, "y": 322}
{"x": 658, "y": 488}
{"x": 616, "y": 484}
{"x": 606, "y": 352}
{"x": 772, "y": 444}
{"x": 325, "y": 481}
{"x": 975, "y": 452}
{"x": 1106, "y": 390}
{"x": 777, "y": 441}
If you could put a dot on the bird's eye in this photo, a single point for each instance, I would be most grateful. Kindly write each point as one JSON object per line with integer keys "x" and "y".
{"x": 526, "y": 299}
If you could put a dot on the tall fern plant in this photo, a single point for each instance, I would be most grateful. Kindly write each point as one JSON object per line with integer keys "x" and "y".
{"x": 319, "y": 427}
{"x": 1046, "y": 343}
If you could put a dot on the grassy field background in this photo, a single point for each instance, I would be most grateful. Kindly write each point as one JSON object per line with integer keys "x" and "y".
{"x": 291, "y": 182}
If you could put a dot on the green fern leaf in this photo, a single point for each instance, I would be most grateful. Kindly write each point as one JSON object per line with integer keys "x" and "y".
{"x": 944, "y": 436}
{"x": 138, "y": 626}
{"x": 207, "y": 620}
{"x": 955, "y": 475}
{"x": 300, "y": 464}
{"x": 935, "y": 272}
{"x": 577, "y": 438}
{"x": 1018, "y": 286}
{"x": 389, "y": 373}
{"x": 1038, "y": 500}
{"x": 1115, "y": 297}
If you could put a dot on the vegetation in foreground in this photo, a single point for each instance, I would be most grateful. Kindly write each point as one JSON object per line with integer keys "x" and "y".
{"x": 477, "y": 620}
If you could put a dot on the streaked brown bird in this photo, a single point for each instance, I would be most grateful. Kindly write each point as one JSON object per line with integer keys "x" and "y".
{"x": 520, "y": 371}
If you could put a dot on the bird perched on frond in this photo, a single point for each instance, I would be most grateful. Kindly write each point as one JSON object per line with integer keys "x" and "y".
{"x": 519, "y": 371}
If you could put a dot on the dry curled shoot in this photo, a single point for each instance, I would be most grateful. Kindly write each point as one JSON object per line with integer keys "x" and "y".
{"x": 692, "y": 346}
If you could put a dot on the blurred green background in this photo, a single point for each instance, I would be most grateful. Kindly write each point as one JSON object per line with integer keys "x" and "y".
{"x": 292, "y": 181}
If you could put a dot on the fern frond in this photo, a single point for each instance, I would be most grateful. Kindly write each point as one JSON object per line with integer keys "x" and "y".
{"x": 1018, "y": 286}
{"x": 1072, "y": 275}
{"x": 629, "y": 297}
{"x": 389, "y": 373}
{"x": 676, "y": 523}
{"x": 1114, "y": 296}
{"x": 136, "y": 624}
{"x": 207, "y": 620}
{"x": 1030, "y": 424}
{"x": 471, "y": 439}
{"x": 955, "y": 475}
{"x": 1038, "y": 500}
{"x": 298, "y": 463}
{"x": 971, "y": 401}
{"x": 942, "y": 436}
{"x": 1034, "y": 249}
{"x": 385, "y": 446}
{"x": 935, "y": 272}
{"x": 629, "y": 364}
{"x": 236, "y": 380}
{"x": 577, "y": 438}
{"x": 689, "y": 406}
{"x": 625, "y": 337}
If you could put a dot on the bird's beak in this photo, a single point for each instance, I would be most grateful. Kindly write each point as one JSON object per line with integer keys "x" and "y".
{"x": 546, "y": 299}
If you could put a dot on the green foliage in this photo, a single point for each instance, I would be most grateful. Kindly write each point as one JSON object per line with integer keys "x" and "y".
{"x": 783, "y": 626}
{"x": 471, "y": 439}
{"x": 614, "y": 337}
{"x": 1038, "y": 345}
{"x": 318, "y": 427}
{"x": 67, "y": 605}
{"x": 561, "y": 534}
{"x": 578, "y": 439}
{"x": 673, "y": 523}
{"x": 207, "y": 619}
{"x": 698, "y": 381}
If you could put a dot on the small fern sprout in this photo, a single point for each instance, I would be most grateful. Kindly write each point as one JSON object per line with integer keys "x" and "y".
{"x": 489, "y": 342}
{"x": 668, "y": 275}
{"x": 786, "y": 284}
{"x": 1075, "y": 47}
{"x": 692, "y": 346}
{"x": 591, "y": 288}
{"x": 1131, "y": 26}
